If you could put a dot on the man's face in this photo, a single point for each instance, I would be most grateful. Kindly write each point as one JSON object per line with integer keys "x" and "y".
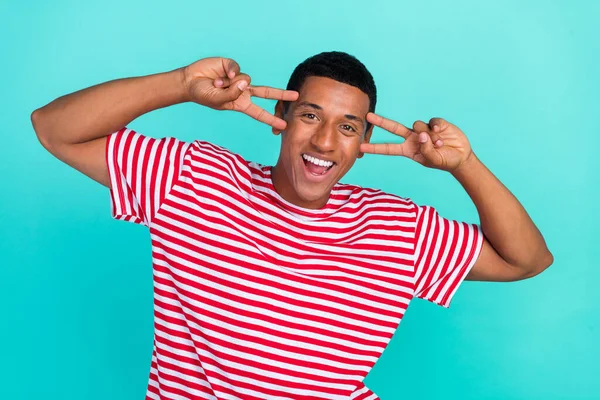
{"x": 325, "y": 126}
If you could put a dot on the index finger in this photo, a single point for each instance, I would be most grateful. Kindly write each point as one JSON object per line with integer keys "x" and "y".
{"x": 267, "y": 92}
{"x": 391, "y": 126}
{"x": 264, "y": 116}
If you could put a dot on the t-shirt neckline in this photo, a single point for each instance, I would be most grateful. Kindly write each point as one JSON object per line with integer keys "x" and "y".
{"x": 323, "y": 212}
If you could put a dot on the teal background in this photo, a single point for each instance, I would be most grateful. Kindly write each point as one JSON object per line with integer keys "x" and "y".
{"x": 519, "y": 78}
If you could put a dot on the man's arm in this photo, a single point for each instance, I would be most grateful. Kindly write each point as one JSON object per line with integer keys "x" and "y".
{"x": 513, "y": 247}
{"x": 74, "y": 127}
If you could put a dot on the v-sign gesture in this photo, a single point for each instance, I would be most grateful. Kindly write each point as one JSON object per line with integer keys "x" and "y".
{"x": 438, "y": 144}
{"x": 217, "y": 83}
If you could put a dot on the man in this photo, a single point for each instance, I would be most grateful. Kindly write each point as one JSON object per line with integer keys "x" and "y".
{"x": 281, "y": 282}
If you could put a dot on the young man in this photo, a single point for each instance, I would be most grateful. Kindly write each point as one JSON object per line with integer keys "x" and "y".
{"x": 281, "y": 282}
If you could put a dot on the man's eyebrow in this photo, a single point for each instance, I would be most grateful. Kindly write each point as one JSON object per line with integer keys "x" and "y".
{"x": 354, "y": 118}
{"x": 311, "y": 105}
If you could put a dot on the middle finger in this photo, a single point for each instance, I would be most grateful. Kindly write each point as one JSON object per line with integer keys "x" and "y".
{"x": 264, "y": 116}
{"x": 267, "y": 92}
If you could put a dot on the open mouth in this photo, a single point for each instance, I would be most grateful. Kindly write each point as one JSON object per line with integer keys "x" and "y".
{"x": 316, "y": 166}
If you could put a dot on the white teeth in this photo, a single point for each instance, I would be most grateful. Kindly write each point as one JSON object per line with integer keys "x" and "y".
{"x": 317, "y": 161}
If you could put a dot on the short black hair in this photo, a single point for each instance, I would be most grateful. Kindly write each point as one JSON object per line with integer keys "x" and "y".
{"x": 338, "y": 66}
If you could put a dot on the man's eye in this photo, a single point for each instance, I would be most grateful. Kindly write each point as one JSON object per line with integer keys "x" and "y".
{"x": 309, "y": 116}
{"x": 348, "y": 128}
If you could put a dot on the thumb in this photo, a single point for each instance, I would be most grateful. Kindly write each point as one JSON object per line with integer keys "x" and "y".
{"x": 235, "y": 89}
{"x": 426, "y": 148}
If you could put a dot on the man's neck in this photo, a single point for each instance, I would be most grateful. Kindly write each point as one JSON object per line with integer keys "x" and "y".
{"x": 285, "y": 189}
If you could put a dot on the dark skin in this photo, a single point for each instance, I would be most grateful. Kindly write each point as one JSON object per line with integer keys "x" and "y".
{"x": 328, "y": 122}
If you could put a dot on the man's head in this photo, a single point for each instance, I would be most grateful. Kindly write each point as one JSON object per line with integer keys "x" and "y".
{"x": 326, "y": 126}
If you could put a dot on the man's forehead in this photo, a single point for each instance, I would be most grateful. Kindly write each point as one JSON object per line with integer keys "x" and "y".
{"x": 329, "y": 94}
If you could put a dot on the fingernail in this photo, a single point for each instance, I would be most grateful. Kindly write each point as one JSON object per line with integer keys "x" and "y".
{"x": 219, "y": 82}
{"x": 436, "y": 128}
{"x": 422, "y": 137}
{"x": 231, "y": 74}
{"x": 242, "y": 85}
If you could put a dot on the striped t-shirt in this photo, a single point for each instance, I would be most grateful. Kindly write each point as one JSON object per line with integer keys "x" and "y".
{"x": 256, "y": 298}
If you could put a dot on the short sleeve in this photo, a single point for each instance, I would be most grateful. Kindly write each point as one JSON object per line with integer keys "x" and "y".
{"x": 142, "y": 171}
{"x": 445, "y": 252}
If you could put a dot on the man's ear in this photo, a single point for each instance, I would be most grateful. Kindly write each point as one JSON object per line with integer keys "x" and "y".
{"x": 367, "y": 138}
{"x": 279, "y": 114}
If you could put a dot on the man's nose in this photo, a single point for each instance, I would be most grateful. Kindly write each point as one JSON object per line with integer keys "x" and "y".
{"x": 324, "y": 139}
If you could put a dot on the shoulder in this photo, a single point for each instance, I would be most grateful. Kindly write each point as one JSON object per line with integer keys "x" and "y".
{"x": 210, "y": 156}
{"x": 214, "y": 150}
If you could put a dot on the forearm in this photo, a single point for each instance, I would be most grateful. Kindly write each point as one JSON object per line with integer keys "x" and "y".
{"x": 99, "y": 110}
{"x": 504, "y": 221}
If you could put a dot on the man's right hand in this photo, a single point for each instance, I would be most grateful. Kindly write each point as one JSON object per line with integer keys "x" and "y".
{"x": 217, "y": 83}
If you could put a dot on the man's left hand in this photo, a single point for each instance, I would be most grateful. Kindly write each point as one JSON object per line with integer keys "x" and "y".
{"x": 438, "y": 144}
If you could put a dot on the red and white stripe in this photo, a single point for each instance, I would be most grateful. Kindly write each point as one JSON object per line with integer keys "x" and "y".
{"x": 256, "y": 298}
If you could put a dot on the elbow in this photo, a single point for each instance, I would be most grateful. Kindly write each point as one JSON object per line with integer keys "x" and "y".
{"x": 36, "y": 122}
{"x": 35, "y": 119}
{"x": 540, "y": 264}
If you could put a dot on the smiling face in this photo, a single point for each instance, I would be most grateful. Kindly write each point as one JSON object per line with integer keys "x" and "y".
{"x": 325, "y": 128}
